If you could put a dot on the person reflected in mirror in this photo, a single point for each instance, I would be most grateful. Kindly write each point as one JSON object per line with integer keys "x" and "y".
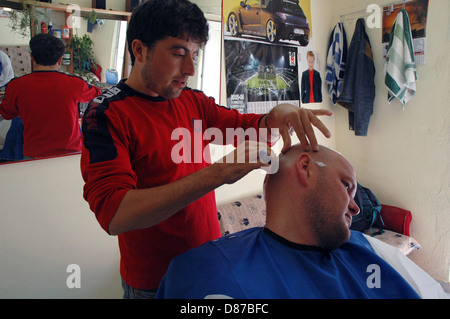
{"x": 158, "y": 206}
{"x": 6, "y": 75}
{"x": 6, "y": 69}
{"x": 47, "y": 101}
{"x": 306, "y": 249}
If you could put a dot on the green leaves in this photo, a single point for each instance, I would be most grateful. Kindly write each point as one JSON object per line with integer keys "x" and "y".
{"x": 83, "y": 54}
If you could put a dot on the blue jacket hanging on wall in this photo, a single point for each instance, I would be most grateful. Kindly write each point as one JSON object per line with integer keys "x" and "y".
{"x": 358, "y": 92}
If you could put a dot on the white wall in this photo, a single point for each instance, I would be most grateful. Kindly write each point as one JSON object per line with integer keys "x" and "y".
{"x": 405, "y": 157}
{"x": 45, "y": 225}
{"x": 9, "y": 38}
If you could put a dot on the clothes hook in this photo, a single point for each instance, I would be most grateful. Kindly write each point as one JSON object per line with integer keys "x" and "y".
{"x": 391, "y": 9}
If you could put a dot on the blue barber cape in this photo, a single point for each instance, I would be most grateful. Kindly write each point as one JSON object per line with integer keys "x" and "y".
{"x": 259, "y": 264}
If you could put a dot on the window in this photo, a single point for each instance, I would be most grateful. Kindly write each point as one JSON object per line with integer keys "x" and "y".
{"x": 210, "y": 71}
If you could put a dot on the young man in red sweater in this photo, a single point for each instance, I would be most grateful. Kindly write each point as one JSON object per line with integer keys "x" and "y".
{"x": 158, "y": 206}
{"x": 47, "y": 101}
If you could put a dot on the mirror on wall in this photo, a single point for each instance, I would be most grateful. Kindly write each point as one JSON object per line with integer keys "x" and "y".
{"x": 106, "y": 33}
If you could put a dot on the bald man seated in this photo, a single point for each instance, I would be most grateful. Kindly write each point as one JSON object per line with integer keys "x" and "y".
{"x": 306, "y": 249}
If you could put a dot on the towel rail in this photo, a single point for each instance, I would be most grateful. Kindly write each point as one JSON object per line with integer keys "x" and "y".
{"x": 389, "y": 7}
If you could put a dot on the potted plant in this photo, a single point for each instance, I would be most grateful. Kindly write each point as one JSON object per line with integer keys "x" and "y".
{"x": 20, "y": 20}
{"x": 83, "y": 55}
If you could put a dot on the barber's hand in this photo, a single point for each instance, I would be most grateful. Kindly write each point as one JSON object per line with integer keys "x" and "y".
{"x": 286, "y": 117}
{"x": 248, "y": 156}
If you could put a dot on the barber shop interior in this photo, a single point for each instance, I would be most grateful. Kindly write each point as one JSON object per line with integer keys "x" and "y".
{"x": 129, "y": 168}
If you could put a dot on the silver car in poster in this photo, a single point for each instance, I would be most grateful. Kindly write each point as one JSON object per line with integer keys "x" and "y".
{"x": 273, "y": 19}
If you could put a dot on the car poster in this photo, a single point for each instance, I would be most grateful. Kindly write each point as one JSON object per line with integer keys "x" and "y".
{"x": 262, "y": 41}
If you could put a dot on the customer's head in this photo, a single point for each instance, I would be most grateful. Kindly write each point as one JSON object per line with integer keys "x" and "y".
{"x": 46, "y": 49}
{"x": 310, "y": 200}
{"x": 157, "y": 19}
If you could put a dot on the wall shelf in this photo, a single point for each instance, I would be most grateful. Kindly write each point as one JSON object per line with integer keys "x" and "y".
{"x": 84, "y": 12}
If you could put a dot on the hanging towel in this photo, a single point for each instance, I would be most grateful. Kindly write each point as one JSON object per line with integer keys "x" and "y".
{"x": 336, "y": 60}
{"x": 400, "y": 66}
{"x": 358, "y": 91}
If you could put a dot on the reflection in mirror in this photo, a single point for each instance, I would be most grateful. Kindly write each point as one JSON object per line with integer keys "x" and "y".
{"x": 108, "y": 35}
{"x": 109, "y": 50}
{"x": 14, "y": 57}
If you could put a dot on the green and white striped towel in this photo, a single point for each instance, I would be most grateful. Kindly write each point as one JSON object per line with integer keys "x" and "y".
{"x": 400, "y": 66}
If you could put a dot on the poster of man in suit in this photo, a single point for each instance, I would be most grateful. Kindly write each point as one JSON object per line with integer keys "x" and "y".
{"x": 311, "y": 83}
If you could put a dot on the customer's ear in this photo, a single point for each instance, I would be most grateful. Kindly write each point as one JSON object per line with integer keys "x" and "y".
{"x": 303, "y": 168}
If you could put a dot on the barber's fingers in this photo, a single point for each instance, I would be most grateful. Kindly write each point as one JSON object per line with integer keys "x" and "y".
{"x": 302, "y": 123}
{"x": 313, "y": 118}
{"x": 305, "y": 132}
{"x": 301, "y": 128}
{"x": 285, "y": 133}
{"x": 244, "y": 159}
{"x": 267, "y": 159}
{"x": 271, "y": 160}
{"x": 248, "y": 156}
{"x": 262, "y": 155}
{"x": 252, "y": 152}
